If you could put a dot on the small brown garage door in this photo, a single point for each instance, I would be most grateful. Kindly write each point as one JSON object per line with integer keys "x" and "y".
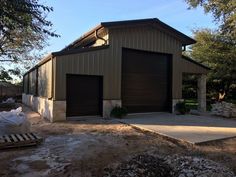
{"x": 146, "y": 81}
{"x": 83, "y": 95}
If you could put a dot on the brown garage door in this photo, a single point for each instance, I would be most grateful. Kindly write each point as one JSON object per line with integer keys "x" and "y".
{"x": 83, "y": 95}
{"x": 146, "y": 81}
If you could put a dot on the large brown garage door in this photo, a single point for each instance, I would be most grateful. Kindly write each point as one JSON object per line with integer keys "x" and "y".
{"x": 146, "y": 81}
{"x": 83, "y": 95}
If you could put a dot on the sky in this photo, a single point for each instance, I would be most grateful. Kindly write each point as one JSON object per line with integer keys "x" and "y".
{"x": 73, "y": 18}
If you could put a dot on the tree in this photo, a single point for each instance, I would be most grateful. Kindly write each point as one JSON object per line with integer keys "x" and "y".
{"x": 23, "y": 29}
{"x": 219, "y": 53}
{"x": 6, "y": 75}
{"x": 217, "y": 48}
{"x": 224, "y": 13}
{"x": 13, "y": 71}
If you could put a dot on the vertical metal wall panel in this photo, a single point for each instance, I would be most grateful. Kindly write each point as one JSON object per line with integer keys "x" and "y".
{"x": 45, "y": 79}
{"x": 32, "y": 82}
{"x": 25, "y": 80}
{"x": 86, "y": 63}
{"x": 107, "y": 62}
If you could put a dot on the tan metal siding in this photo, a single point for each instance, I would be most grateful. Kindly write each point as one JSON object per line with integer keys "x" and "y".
{"x": 32, "y": 82}
{"x": 149, "y": 39}
{"x": 25, "y": 80}
{"x": 107, "y": 62}
{"x": 97, "y": 62}
{"x": 45, "y": 79}
{"x": 189, "y": 67}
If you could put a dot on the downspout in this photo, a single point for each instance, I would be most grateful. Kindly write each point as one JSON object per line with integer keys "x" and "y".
{"x": 98, "y": 37}
{"x": 52, "y": 82}
{"x": 23, "y": 85}
{"x": 28, "y": 81}
{"x": 37, "y": 80}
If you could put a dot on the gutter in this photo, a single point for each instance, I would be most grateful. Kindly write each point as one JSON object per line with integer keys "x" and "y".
{"x": 82, "y": 37}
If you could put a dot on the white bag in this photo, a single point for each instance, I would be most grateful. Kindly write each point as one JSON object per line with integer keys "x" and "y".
{"x": 13, "y": 122}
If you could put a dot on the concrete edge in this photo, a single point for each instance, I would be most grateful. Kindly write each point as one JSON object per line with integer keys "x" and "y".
{"x": 172, "y": 139}
{"x": 213, "y": 141}
{"x": 166, "y": 137}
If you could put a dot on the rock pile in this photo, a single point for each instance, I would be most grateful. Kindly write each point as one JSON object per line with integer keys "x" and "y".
{"x": 187, "y": 166}
{"x": 224, "y": 109}
{"x": 141, "y": 166}
{"x": 171, "y": 166}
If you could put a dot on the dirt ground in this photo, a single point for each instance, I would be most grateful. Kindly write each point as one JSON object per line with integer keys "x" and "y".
{"x": 84, "y": 148}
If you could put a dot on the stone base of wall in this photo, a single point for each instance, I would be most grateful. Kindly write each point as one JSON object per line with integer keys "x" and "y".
{"x": 56, "y": 110}
{"x": 108, "y": 105}
{"x": 43, "y": 106}
{"x": 174, "y": 102}
{"x": 59, "y": 111}
{"x": 52, "y": 110}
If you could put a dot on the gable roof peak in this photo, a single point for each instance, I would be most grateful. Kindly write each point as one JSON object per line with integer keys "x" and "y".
{"x": 129, "y": 22}
{"x": 186, "y": 40}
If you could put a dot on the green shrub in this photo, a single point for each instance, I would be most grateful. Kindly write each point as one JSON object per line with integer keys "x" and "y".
{"x": 118, "y": 112}
{"x": 181, "y": 107}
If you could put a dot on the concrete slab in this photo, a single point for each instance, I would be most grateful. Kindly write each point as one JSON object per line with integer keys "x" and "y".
{"x": 190, "y": 128}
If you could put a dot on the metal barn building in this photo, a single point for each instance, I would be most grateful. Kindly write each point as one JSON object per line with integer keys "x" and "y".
{"x": 137, "y": 64}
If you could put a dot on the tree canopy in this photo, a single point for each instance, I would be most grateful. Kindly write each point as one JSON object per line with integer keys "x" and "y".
{"x": 23, "y": 27}
{"x": 223, "y": 11}
{"x": 219, "y": 53}
{"x": 23, "y": 30}
{"x": 217, "y": 48}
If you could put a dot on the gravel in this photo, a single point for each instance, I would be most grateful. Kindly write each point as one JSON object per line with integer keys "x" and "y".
{"x": 188, "y": 166}
{"x": 141, "y": 165}
{"x": 146, "y": 165}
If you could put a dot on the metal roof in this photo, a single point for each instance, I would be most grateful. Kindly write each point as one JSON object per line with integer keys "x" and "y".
{"x": 195, "y": 62}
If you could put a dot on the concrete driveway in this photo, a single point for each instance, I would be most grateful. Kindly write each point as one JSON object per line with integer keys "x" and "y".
{"x": 191, "y": 128}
